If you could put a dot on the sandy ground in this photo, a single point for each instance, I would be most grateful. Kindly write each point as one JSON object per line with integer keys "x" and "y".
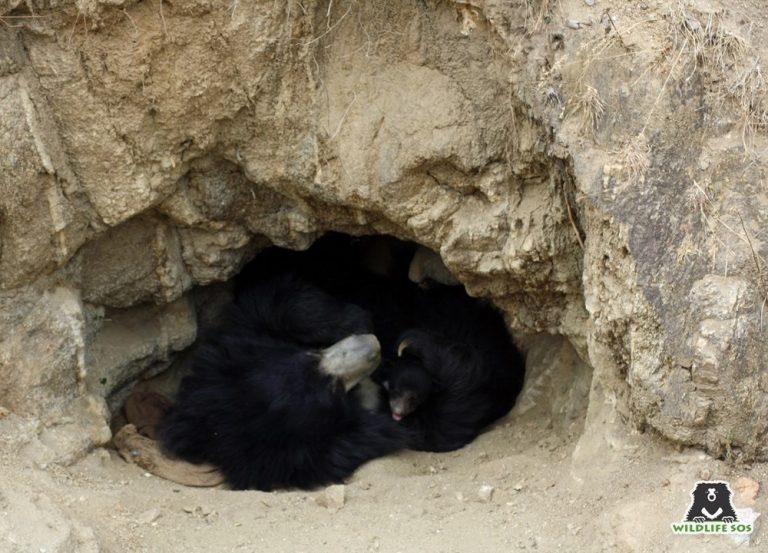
{"x": 610, "y": 490}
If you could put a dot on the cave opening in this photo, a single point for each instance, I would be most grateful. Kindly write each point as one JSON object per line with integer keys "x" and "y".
{"x": 383, "y": 275}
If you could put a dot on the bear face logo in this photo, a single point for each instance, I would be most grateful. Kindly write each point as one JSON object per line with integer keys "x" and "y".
{"x": 711, "y": 503}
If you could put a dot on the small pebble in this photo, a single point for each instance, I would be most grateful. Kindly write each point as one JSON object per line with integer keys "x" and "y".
{"x": 747, "y": 489}
{"x": 589, "y": 2}
{"x": 333, "y": 497}
{"x": 573, "y": 529}
{"x": 485, "y": 493}
{"x": 573, "y": 24}
{"x": 148, "y": 517}
{"x": 101, "y": 454}
{"x": 705, "y": 474}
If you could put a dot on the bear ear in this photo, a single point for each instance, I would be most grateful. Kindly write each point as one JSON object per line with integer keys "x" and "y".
{"x": 401, "y": 347}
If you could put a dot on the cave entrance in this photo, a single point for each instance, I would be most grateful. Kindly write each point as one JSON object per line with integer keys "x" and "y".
{"x": 389, "y": 277}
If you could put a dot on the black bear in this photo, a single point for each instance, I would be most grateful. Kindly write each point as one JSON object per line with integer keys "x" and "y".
{"x": 266, "y": 401}
{"x": 455, "y": 372}
{"x": 459, "y": 370}
{"x": 711, "y": 503}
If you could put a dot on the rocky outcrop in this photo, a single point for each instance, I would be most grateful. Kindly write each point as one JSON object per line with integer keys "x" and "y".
{"x": 590, "y": 188}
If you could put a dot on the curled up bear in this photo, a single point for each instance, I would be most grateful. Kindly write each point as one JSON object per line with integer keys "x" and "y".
{"x": 267, "y": 401}
{"x": 321, "y": 367}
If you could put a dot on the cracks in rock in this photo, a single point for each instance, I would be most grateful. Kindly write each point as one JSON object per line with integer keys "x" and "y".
{"x": 452, "y": 179}
{"x": 567, "y": 182}
{"x": 89, "y": 79}
{"x": 66, "y": 181}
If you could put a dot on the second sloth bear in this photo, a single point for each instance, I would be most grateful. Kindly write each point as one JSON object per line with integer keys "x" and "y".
{"x": 456, "y": 370}
{"x": 267, "y": 399}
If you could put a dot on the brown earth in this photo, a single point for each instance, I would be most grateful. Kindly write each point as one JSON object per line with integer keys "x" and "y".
{"x": 555, "y": 485}
{"x": 544, "y": 499}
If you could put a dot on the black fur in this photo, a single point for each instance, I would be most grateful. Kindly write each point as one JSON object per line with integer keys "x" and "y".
{"x": 289, "y": 309}
{"x": 462, "y": 371}
{"x": 475, "y": 372}
{"x": 708, "y": 498}
{"x": 466, "y": 393}
{"x": 257, "y": 406}
{"x": 407, "y": 385}
{"x": 336, "y": 264}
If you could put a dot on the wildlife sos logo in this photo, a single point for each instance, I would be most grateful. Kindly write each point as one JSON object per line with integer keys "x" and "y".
{"x": 711, "y": 512}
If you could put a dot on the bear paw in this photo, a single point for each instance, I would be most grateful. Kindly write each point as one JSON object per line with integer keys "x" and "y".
{"x": 699, "y": 519}
{"x": 729, "y": 519}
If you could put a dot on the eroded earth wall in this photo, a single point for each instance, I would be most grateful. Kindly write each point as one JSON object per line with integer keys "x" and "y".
{"x": 597, "y": 169}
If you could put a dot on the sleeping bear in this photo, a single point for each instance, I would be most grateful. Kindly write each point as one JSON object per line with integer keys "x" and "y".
{"x": 455, "y": 372}
{"x": 449, "y": 366}
{"x": 266, "y": 401}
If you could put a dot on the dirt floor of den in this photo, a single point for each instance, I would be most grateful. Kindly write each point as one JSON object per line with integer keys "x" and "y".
{"x": 608, "y": 489}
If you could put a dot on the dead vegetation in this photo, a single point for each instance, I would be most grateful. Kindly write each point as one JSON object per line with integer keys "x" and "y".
{"x": 687, "y": 45}
{"x": 715, "y": 226}
{"x": 635, "y": 155}
{"x": 729, "y": 64}
{"x": 587, "y": 104}
{"x": 538, "y": 13}
{"x": 583, "y": 97}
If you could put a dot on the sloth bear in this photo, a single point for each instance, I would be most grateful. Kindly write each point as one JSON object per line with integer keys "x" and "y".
{"x": 711, "y": 502}
{"x": 267, "y": 399}
{"x": 456, "y": 371}
{"x": 449, "y": 367}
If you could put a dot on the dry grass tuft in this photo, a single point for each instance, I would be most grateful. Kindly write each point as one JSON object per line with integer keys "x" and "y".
{"x": 749, "y": 91}
{"x": 635, "y": 156}
{"x": 588, "y": 105}
{"x": 538, "y": 13}
{"x": 715, "y": 226}
{"x": 732, "y": 64}
{"x": 584, "y": 99}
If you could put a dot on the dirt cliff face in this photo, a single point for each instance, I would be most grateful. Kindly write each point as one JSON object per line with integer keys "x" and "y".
{"x": 599, "y": 173}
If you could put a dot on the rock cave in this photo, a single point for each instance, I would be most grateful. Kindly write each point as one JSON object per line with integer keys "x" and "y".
{"x": 609, "y": 199}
